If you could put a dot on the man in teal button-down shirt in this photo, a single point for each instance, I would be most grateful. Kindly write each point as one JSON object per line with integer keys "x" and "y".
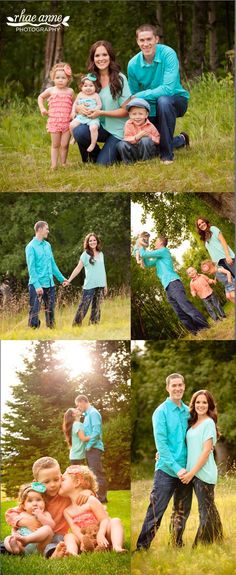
{"x": 42, "y": 267}
{"x": 153, "y": 74}
{"x": 94, "y": 447}
{"x": 170, "y": 422}
{"x": 161, "y": 259}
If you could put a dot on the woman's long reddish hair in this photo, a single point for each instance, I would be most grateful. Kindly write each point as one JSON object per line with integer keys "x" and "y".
{"x": 211, "y": 412}
{"x": 204, "y": 234}
{"x": 115, "y": 79}
{"x": 88, "y": 249}
{"x": 68, "y": 421}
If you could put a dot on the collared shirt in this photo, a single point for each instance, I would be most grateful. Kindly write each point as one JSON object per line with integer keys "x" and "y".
{"x": 162, "y": 262}
{"x": 200, "y": 286}
{"x": 131, "y": 130}
{"x": 95, "y": 274}
{"x": 41, "y": 264}
{"x": 214, "y": 246}
{"x": 93, "y": 428}
{"x": 170, "y": 424}
{"x": 158, "y": 78}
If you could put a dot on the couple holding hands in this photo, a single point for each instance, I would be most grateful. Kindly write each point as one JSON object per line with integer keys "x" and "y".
{"x": 42, "y": 267}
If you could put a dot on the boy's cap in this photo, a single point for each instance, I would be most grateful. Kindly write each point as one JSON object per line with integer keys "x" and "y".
{"x": 138, "y": 103}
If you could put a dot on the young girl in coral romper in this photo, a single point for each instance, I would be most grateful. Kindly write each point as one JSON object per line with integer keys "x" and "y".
{"x": 60, "y": 100}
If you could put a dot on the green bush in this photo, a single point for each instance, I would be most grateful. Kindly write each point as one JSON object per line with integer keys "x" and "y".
{"x": 116, "y": 435}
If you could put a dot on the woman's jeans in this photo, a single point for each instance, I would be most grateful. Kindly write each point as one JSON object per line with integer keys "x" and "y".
{"x": 210, "y": 526}
{"x": 230, "y": 268}
{"x": 169, "y": 108}
{"x": 89, "y": 296}
{"x": 105, "y": 156}
{"x": 164, "y": 487}
{"x": 48, "y": 299}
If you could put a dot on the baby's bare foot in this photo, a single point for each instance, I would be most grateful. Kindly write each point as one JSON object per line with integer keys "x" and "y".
{"x": 91, "y": 147}
{"x": 60, "y": 551}
{"x": 15, "y": 545}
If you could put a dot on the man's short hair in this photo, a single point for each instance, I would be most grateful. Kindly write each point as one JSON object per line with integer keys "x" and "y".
{"x": 146, "y": 28}
{"x": 164, "y": 240}
{"x": 43, "y": 463}
{"x": 81, "y": 398}
{"x": 39, "y": 225}
{"x": 174, "y": 376}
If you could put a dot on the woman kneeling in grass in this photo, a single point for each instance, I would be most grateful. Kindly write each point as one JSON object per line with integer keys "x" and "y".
{"x": 91, "y": 516}
{"x": 201, "y": 437}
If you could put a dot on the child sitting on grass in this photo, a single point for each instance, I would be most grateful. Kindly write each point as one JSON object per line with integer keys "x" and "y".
{"x": 34, "y": 525}
{"x": 47, "y": 471}
{"x": 141, "y": 138}
{"x": 109, "y": 531}
{"x": 60, "y": 100}
{"x": 199, "y": 286}
{"x": 222, "y": 275}
{"x": 89, "y": 98}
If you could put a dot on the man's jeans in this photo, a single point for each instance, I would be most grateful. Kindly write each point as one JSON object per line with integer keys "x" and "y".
{"x": 184, "y": 309}
{"x": 89, "y": 296}
{"x": 48, "y": 299}
{"x": 210, "y": 527}
{"x": 230, "y": 268}
{"x": 94, "y": 460}
{"x": 105, "y": 156}
{"x": 168, "y": 109}
{"x": 213, "y": 306}
{"x": 145, "y": 149}
{"x": 163, "y": 488}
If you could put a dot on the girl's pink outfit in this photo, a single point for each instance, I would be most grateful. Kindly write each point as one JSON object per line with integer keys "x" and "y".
{"x": 59, "y": 111}
{"x": 85, "y": 519}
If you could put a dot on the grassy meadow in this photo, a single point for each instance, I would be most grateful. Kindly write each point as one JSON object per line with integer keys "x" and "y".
{"x": 87, "y": 563}
{"x": 161, "y": 559}
{"x": 114, "y": 324}
{"x": 207, "y": 166}
{"x": 219, "y": 330}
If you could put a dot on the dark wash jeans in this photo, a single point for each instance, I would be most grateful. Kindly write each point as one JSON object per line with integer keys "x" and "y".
{"x": 164, "y": 487}
{"x": 168, "y": 108}
{"x": 184, "y": 309}
{"x": 213, "y": 306}
{"x": 145, "y": 149}
{"x": 230, "y": 268}
{"x": 94, "y": 461}
{"x": 48, "y": 298}
{"x": 210, "y": 526}
{"x": 105, "y": 156}
{"x": 89, "y": 296}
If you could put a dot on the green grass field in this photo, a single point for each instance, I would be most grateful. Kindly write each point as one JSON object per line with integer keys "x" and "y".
{"x": 115, "y": 323}
{"x": 208, "y": 165}
{"x": 161, "y": 559}
{"x": 86, "y": 564}
{"x": 219, "y": 330}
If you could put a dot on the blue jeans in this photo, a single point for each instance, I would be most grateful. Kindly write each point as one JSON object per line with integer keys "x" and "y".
{"x": 213, "y": 306}
{"x": 94, "y": 461}
{"x": 230, "y": 268}
{"x": 164, "y": 487}
{"x": 210, "y": 526}
{"x": 105, "y": 156}
{"x": 48, "y": 298}
{"x": 145, "y": 149}
{"x": 168, "y": 108}
{"x": 184, "y": 309}
{"x": 89, "y": 296}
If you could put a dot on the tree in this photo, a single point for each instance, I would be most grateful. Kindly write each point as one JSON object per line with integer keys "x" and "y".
{"x": 53, "y": 48}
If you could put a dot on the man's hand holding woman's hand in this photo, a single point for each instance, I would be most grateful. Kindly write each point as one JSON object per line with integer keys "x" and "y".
{"x": 187, "y": 477}
{"x": 66, "y": 283}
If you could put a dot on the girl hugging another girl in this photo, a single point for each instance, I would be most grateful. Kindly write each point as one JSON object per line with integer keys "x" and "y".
{"x": 91, "y": 527}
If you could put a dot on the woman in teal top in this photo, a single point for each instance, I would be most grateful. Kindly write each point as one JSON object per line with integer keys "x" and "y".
{"x": 95, "y": 283}
{"x": 113, "y": 89}
{"x": 201, "y": 467}
{"x": 74, "y": 433}
{"x": 216, "y": 245}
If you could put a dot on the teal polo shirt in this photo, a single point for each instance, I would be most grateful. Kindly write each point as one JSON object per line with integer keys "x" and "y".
{"x": 95, "y": 274}
{"x": 158, "y": 78}
{"x": 41, "y": 264}
{"x": 162, "y": 262}
{"x": 170, "y": 424}
{"x": 93, "y": 428}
